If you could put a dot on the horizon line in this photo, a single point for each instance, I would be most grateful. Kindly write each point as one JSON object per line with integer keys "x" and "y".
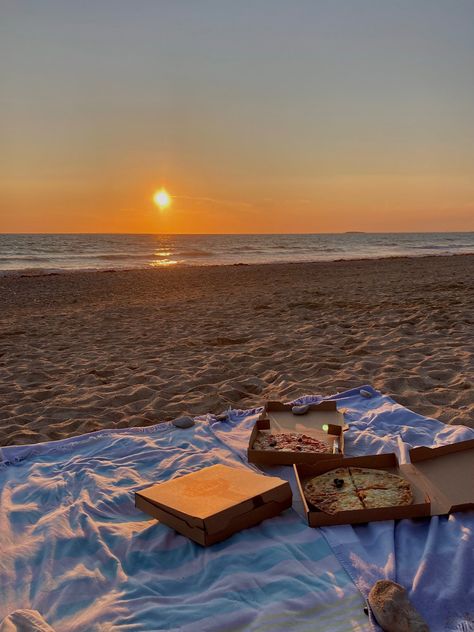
{"x": 345, "y": 232}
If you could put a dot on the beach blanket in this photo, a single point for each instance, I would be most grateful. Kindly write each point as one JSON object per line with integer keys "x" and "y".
{"x": 432, "y": 558}
{"x": 74, "y": 548}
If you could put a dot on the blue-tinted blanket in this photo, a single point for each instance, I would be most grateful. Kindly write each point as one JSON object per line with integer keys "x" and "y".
{"x": 74, "y": 548}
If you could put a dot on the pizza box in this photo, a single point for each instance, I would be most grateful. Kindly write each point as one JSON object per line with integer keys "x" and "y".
{"x": 322, "y": 421}
{"x": 447, "y": 475}
{"x": 317, "y": 518}
{"x": 211, "y": 504}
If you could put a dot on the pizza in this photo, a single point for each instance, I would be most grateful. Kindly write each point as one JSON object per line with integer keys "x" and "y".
{"x": 351, "y": 488}
{"x": 332, "y": 492}
{"x": 289, "y": 442}
{"x": 377, "y": 488}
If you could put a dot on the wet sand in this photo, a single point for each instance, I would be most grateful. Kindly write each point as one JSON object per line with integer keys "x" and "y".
{"x": 85, "y": 351}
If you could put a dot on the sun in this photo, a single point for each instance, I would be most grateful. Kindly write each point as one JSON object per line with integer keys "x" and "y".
{"x": 162, "y": 199}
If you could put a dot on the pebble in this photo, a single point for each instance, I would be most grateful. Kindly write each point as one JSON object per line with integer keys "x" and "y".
{"x": 365, "y": 393}
{"x": 391, "y": 607}
{"x": 183, "y": 422}
{"x": 300, "y": 410}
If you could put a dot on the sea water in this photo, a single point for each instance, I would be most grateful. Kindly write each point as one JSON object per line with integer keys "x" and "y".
{"x": 37, "y": 254}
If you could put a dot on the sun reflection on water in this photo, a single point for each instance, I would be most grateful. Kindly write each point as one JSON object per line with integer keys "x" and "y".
{"x": 163, "y": 262}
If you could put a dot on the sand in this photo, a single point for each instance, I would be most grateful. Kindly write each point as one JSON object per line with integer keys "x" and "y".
{"x": 85, "y": 351}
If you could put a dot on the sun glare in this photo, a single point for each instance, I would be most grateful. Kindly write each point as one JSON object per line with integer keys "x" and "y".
{"x": 162, "y": 199}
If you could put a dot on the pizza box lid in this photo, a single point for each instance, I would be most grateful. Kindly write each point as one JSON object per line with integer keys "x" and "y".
{"x": 419, "y": 508}
{"x": 211, "y": 498}
{"x": 323, "y": 421}
{"x": 319, "y": 415}
{"x": 447, "y": 475}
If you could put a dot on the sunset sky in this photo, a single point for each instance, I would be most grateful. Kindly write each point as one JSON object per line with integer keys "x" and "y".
{"x": 256, "y": 116}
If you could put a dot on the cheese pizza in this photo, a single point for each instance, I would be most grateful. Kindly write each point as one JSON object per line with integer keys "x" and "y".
{"x": 352, "y": 488}
{"x": 290, "y": 442}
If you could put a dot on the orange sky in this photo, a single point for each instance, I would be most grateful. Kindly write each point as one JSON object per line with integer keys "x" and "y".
{"x": 370, "y": 203}
{"x": 362, "y": 121}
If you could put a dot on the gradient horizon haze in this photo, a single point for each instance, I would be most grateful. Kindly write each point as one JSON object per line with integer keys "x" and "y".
{"x": 263, "y": 116}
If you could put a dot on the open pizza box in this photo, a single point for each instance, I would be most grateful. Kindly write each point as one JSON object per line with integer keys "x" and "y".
{"x": 441, "y": 481}
{"x": 447, "y": 475}
{"x": 323, "y": 421}
{"x": 211, "y": 504}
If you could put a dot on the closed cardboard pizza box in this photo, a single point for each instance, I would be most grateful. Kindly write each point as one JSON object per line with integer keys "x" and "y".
{"x": 211, "y": 504}
{"x": 323, "y": 421}
{"x": 388, "y": 462}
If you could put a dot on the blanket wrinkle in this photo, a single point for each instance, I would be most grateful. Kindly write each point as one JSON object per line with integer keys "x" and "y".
{"x": 167, "y": 581}
{"x": 100, "y": 564}
{"x": 433, "y": 558}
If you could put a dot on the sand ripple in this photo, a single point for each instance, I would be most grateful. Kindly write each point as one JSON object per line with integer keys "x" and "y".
{"x": 81, "y": 352}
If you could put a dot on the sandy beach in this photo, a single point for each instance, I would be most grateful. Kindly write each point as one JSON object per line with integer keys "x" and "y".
{"x": 85, "y": 351}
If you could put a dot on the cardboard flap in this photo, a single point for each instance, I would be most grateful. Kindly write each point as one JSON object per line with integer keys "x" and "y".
{"x": 263, "y": 424}
{"x": 326, "y": 405}
{"x": 281, "y": 419}
{"x": 171, "y": 519}
{"x": 447, "y": 473}
{"x": 222, "y": 520}
{"x": 423, "y": 453}
{"x": 377, "y": 461}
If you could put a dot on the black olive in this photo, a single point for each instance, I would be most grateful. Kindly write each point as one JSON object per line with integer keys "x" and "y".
{"x": 338, "y": 482}
{"x": 272, "y": 444}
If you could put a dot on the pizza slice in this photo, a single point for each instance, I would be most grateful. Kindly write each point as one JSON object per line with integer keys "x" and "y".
{"x": 333, "y": 491}
{"x": 390, "y": 497}
{"x": 378, "y": 488}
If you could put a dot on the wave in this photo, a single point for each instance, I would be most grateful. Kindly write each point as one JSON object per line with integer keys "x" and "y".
{"x": 34, "y": 272}
{"x": 194, "y": 253}
{"x": 22, "y": 259}
{"x": 446, "y": 247}
{"x": 125, "y": 256}
{"x": 150, "y": 256}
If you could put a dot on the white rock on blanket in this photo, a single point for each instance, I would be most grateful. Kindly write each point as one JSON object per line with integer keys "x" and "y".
{"x": 300, "y": 410}
{"x": 183, "y": 422}
{"x": 391, "y": 607}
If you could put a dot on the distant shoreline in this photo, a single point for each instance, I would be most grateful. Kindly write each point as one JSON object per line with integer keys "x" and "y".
{"x": 39, "y": 272}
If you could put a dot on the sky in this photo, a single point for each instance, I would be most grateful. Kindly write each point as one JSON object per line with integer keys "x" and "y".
{"x": 256, "y": 116}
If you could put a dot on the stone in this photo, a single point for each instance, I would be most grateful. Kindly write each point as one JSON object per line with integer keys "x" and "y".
{"x": 301, "y": 409}
{"x": 183, "y": 422}
{"x": 365, "y": 393}
{"x": 392, "y": 609}
{"x": 221, "y": 417}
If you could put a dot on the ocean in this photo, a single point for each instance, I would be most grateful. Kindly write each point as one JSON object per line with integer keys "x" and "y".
{"x": 40, "y": 254}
